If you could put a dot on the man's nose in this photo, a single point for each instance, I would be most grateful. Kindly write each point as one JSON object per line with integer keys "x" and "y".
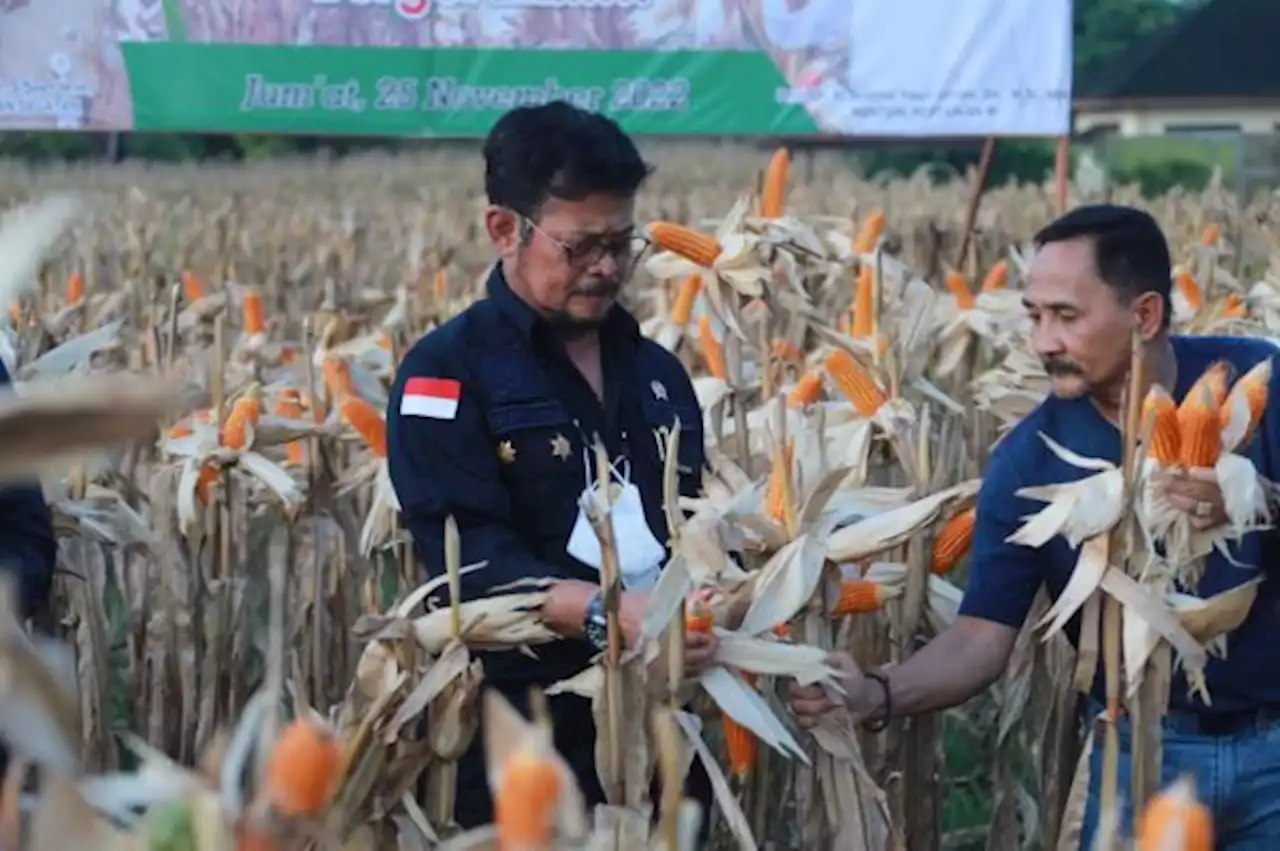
{"x": 1045, "y": 342}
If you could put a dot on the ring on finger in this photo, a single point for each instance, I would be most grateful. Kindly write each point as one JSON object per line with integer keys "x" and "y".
{"x": 1203, "y": 508}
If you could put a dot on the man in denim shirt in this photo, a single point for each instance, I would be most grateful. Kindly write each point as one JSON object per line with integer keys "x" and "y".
{"x": 1099, "y": 272}
{"x": 493, "y": 415}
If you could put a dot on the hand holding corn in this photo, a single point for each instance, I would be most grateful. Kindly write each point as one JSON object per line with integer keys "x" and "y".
{"x": 810, "y": 703}
{"x": 1197, "y": 492}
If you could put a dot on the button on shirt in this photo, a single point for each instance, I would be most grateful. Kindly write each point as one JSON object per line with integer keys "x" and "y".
{"x": 1005, "y": 577}
{"x": 489, "y": 421}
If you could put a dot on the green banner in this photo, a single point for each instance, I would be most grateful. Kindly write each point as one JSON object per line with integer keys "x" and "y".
{"x": 449, "y": 68}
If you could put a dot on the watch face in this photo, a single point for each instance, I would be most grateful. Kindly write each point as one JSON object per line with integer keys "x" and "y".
{"x": 597, "y": 633}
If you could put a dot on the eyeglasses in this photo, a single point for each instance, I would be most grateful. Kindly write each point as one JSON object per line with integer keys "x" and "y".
{"x": 625, "y": 250}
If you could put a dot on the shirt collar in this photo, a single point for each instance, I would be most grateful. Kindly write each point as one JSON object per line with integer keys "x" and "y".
{"x": 619, "y": 324}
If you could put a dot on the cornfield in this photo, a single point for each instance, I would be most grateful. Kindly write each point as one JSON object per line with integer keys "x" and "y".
{"x": 242, "y": 645}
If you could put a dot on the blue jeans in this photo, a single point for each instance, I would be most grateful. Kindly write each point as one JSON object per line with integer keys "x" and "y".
{"x": 1236, "y": 767}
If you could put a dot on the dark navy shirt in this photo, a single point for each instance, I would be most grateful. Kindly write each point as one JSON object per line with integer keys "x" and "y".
{"x": 509, "y": 464}
{"x": 28, "y": 548}
{"x": 1005, "y": 577}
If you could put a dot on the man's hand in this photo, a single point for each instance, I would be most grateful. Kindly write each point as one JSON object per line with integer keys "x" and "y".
{"x": 811, "y": 702}
{"x": 1198, "y": 493}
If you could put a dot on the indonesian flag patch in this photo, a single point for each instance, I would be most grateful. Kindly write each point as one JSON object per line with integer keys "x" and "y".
{"x": 433, "y": 398}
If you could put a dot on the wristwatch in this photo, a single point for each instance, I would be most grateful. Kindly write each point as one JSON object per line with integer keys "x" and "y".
{"x": 595, "y": 626}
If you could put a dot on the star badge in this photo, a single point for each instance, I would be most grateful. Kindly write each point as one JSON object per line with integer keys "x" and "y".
{"x": 659, "y": 390}
{"x": 560, "y": 447}
{"x": 506, "y": 452}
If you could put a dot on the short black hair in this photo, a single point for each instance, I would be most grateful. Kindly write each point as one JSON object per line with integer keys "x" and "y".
{"x": 1130, "y": 251}
{"x": 558, "y": 150}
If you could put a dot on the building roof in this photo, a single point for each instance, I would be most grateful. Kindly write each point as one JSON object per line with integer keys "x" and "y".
{"x": 1224, "y": 50}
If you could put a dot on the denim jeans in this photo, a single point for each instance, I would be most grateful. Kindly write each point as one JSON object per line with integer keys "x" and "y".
{"x": 1236, "y": 769}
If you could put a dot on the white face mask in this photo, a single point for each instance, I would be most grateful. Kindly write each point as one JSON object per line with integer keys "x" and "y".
{"x": 640, "y": 554}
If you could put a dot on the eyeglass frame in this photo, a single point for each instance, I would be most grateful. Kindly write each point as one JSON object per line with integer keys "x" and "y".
{"x": 638, "y": 244}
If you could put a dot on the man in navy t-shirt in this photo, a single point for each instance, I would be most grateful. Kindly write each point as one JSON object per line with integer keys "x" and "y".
{"x": 1099, "y": 272}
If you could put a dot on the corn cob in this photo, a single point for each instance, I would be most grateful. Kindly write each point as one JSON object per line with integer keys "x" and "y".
{"x": 1253, "y": 386}
{"x": 252, "y": 313}
{"x": 524, "y": 802}
{"x": 1211, "y": 234}
{"x": 864, "y": 304}
{"x": 246, "y": 412}
{"x": 997, "y": 277}
{"x": 192, "y": 287}
{"x": 953, "y": 541}
{"x": 698, "y": 618}
{"x": 806, "y": 391}
{"x": 773, "y": 188}
{"x": 854, "y": 382}
{"x": 1217, "y": 379}
{"x": 289, "y": 406}
{"x": 959, "y": 287}
{"x": 682, "y": 309}
{"x": 440, "y": 284}
{"x": 337, "y": 378}
{"x": 712, "y": 353}
{"x": 367, "y": 422}
{"x": 779, "y": 483}
{"x": 75, "y": 288}
{"x": 1160, "y": 415}
{"x": 1190, "y": 290}
{"x": 1199, "y": 429}
{"x": 1233, "y": 307}
{"x": 740, "y": 743}
{"x": 869, "y": 234}
{"x": 693, "y": 246}
{"x": 858, "y": 597}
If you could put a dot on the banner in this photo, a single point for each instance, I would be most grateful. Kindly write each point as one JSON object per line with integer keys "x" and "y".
{"x": 449, "y": 68}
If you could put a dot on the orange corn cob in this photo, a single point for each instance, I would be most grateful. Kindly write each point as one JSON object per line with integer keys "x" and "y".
{"x": 1175, "y": 818}
{"x": 959, "y": 287}
{"x": 252, "y": 313}
{"x": 682, "y": 308}
{"x": 773, "y": 188}
{"x": 192, "y": 287}
{"x": 1216, "y": 379}
{"x": 782, "y": 630}
{"x": 779, "y": 483}
{"x": 806, "y": 391}
{"x": 246, "y": 412}
{"x": 785, "y": 350}
{"x": 440, "y": 284}
{"x": 953, "y": 541}
{"x": 740, "y": 744}
{"x": 524, "y": 802}
{"x": 75, "y": 288}
{"x": 695, "y": 247}
{"x": 1210, "y": 235}
{"x": 204, "y": 483}
{"x": 367, "y": 422}
{"x": 858, "y": 597}
{"x": 1233, "y": 307}
{"x": 1190, "y": 290}
{"x": 15, "y": 314}
{"x": 184, "y": 428}
{"x": 864, "y": 304}
{"x": 1253, "y": 386}
{"x": 712, "y": 353}
{"x": 1161, "y": 415}
{"x": 1199, "y": 429}
{"x": 337, "y": 378}
{"x": 854, "y": 382}
{"x": 698, "y": 618}
{"x": 869, "y": 233}
{"x": 997, "y": 277}
{"x": 289, "y": 406}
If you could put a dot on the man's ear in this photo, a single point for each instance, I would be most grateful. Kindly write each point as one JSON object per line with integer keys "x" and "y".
{"x": 1149, "y": 314}
{"x": 503, "y": 227}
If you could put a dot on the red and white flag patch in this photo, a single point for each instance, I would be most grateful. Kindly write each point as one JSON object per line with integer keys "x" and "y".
{"x": 433, "y": 398}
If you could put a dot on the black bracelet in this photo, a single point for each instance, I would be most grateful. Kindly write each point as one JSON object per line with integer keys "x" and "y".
{"x": 883, "y": 721}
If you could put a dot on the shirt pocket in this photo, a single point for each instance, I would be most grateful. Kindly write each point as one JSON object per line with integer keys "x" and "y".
{"x": 661, "y": 416}
{"x": 541, "y": 463}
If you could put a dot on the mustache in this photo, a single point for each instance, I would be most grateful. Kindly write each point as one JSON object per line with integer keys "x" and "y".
{"x": 605, "y": 288}
{"x": 1054, "y": 366}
